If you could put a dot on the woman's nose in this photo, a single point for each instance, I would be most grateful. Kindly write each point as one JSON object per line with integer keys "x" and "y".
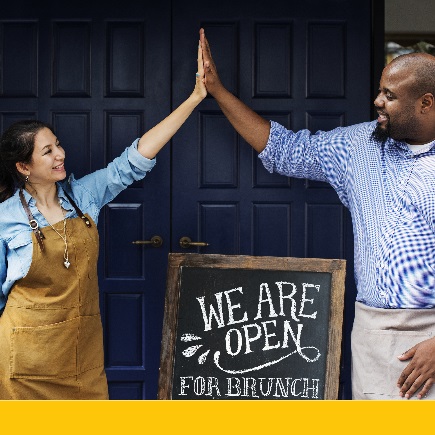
{"x": 60, "y": 153}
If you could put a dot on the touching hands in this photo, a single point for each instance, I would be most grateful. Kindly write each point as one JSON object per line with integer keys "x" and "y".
{"x": 212, "y": 81}
{"x": 420, "y": 371}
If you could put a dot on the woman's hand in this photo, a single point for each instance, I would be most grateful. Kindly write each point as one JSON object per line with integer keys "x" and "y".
{"x": 200, "y": 90}
{"x": 154, "y": 140}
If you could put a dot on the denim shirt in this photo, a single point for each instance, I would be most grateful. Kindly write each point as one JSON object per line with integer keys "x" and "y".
{"x": 389, "y": 191}
{"x": 90, "y": 193}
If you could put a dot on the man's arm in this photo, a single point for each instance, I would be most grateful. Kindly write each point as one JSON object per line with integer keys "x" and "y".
{"x": 251, "y": 126}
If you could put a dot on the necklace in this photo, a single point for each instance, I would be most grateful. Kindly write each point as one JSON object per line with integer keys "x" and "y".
{"x": 38, "y": 234}
{"x": 66, "y": 263}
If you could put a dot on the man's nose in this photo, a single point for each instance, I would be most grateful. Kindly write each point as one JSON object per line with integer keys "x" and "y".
{"x": 379, "y": 101}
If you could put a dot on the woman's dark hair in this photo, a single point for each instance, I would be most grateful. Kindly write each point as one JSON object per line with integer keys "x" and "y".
{"x": 16, "y": 145}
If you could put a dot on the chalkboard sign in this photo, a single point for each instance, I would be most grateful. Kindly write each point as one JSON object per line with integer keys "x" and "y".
{"x": 249, "y": 328}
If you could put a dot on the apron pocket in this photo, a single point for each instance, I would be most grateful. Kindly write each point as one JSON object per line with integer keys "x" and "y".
{"x": 381, "y": 367}
{"x": 44, "y": 352}
{"x": 90, "y": 343}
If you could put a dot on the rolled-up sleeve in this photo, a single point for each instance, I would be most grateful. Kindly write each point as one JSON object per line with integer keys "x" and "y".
{"x": 322, "y": 156}
{"x": 292, "y": 153}
{"x": 139, "y": 162}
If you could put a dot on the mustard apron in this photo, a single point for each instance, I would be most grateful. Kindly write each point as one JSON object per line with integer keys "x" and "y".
{"x": 51, "y": 339}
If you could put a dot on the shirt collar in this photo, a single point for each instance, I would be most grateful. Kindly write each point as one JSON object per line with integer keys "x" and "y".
{"x": 60, "y": 193}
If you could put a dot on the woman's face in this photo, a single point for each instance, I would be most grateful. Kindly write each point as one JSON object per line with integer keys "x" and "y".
{"x": 47, "y": 164}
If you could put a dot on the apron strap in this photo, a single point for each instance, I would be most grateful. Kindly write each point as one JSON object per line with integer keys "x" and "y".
{"x": 79, "y": 212}
{"x": 32, "y": 222}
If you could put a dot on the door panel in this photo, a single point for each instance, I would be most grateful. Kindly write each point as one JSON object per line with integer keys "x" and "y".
{"x": 295, "y": 63}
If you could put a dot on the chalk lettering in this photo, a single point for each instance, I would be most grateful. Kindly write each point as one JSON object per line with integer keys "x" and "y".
{"x": 267, "y": 346}
{"x": 269, "y": 386}
{"x": 297, "y": 341}
{"x": 233, "y": 386}
{"x": 184, "y": 385}
{"x": 246, "y": 387}
{"x": 249, "y": 339}
{"x": 284, "y": 390}
{"x": 268, "y": 299}
{"x": 249, "y": 385}
{"x": 231, "y": 307}
{"x": 212, "y": 313}
{"x": 280, "y": 285}
{"x": 228, "y": 342}
{"x": 212, "y": 384}
{"x": 314, "y": 389}
{"x": 304, "y": 299}
{"x": 201, "y": 387}
{"x": 234, "y": 340}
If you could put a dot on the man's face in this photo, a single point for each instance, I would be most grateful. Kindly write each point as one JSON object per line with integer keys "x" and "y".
{"x": 397, "y": 109}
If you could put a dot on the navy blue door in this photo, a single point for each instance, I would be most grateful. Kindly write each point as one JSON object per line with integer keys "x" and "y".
{"x": 303, "y": 64}
{"x": 102, "y": 76}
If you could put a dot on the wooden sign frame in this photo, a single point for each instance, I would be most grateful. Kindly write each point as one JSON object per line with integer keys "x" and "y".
{"x": 176, "y": 261}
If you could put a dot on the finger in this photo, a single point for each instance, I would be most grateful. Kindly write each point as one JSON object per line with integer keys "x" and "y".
{"x": 405, "y": 375}
{"x": 425, "y": 390}
{"x": 200, "y": 60}
{"x": 414, "y": 385}
{"x": 407, "y": 354}
{"x": 207, "y": 52}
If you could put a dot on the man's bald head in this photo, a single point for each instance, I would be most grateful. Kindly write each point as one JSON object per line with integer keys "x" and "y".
{"x": 421, "y": 69}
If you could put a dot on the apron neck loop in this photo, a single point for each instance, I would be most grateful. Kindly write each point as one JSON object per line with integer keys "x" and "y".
{"x": 32, "y": 222}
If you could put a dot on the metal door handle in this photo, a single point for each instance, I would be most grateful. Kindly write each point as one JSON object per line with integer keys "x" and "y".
{"x": 156, "y": 242}
{"x": 185, "y": 243}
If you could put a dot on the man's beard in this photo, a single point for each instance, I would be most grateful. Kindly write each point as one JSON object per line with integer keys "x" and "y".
{"x": 381, "y": 134}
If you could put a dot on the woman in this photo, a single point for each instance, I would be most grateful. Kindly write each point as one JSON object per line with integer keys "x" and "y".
{"x": 51, "y": 344}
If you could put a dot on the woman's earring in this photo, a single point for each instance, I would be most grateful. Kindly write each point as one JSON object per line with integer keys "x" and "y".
{"x": 26, "y": 180}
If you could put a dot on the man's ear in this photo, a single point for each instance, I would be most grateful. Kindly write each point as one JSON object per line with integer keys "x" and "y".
{"x": 22, "y": 168}
{"x": 427, "y": 102}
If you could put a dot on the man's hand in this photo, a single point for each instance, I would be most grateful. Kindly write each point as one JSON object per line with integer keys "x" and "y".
{"x": 252, "y": 127}
{"x": 420, "y": 371}
{"x": 212, "y": 81}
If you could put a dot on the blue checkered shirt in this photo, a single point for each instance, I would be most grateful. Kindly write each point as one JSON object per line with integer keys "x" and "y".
{"x": 390, "y": 192}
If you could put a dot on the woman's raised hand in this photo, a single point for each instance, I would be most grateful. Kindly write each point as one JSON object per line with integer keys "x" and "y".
{"x": 200, "y": 89}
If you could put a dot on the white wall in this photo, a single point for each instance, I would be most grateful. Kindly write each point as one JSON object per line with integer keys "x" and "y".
{"x": 410, "y": 16}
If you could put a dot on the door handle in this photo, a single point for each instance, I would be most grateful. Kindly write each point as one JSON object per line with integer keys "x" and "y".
{"x": 186, "y": 243}
{"x": 155, "y": 242}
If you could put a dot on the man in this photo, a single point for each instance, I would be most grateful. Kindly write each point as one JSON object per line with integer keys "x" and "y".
{"x": 384, "y": 172}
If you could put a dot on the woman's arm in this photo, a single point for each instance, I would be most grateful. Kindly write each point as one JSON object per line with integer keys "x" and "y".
{"x": 154, "y": 140}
